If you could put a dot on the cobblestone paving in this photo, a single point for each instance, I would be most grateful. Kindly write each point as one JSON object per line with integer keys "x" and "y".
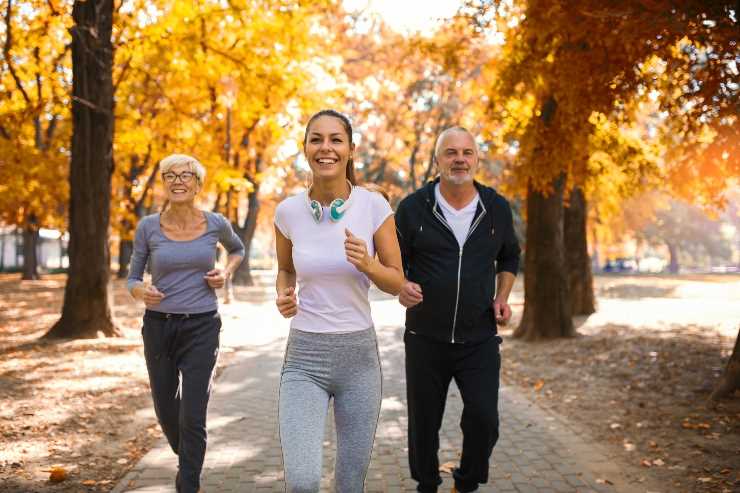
{"x": 537, "y": 452}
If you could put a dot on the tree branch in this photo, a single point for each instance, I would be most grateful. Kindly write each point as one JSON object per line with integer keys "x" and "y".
{"x": 6, "y": 51}
{"x": 53, "y": 9}
{"x": 122, "y": 75}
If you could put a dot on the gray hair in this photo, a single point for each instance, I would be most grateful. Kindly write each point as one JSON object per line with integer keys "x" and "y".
{"x": 449, "y": 130}
{"x": 173, "y": 160}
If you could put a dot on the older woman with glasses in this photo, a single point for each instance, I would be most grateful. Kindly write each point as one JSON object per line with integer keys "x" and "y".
{"x": 181, "y": 322}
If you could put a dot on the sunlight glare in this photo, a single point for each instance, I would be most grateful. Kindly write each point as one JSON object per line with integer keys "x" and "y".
{"x": 410, "y": 15}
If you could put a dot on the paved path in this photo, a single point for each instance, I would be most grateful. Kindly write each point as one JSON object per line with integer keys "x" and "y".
{"x": 536, "y": 452}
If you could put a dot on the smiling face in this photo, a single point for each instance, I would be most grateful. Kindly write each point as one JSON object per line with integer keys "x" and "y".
{"x": 181, "y": 183}
{"x": 328, "y": 148}
{"x": 457, "y": 157}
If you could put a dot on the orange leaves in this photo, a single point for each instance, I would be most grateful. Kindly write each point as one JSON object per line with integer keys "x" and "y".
{"x": 560, "y": 55}
{"x": 688, "y": 425}
{"x": 57, "y": 474}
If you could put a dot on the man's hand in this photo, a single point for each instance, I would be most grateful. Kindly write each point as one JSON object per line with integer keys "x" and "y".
{"x": 410, "y": 294}
{"x": 287, "y": 303}
{"x": 502, "y": 310}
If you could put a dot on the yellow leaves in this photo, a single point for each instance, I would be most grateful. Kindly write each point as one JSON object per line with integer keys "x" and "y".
{"x": 230, "y": 178}
{"x": 706, "y": 135}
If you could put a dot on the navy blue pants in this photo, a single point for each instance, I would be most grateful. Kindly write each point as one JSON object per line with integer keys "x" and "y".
{"x": 430, "y": 366}
{"x": 181, "y": 353}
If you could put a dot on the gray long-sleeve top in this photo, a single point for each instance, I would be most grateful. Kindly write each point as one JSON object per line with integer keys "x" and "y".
{"x": 178, "y": 267}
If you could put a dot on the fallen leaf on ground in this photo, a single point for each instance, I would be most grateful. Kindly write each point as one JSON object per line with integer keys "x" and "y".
{"x": 89, "y": 482}
{"x": 603, "y": 481}
{"x": 538, "y": 385}
{"x": 447, "y": 467}
{"x": 57, "y": 474}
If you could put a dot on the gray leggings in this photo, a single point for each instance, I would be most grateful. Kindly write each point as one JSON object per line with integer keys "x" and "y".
{"x": 318, "y": 367}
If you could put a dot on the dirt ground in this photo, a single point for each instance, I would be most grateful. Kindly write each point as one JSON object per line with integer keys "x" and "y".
{"x": 81, "y": 408}
{"x": 640, "y": 386}
{"x": 636, "y": 378}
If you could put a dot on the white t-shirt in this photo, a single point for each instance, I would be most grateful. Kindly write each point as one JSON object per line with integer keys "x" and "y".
{"x": 458, "y": 219}
{"x": 332, "y": 293}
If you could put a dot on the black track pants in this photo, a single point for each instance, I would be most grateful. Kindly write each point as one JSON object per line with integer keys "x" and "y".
{"x": 430, "y": 366}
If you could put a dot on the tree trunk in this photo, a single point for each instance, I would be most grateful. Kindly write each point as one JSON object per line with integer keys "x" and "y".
{"x": 61, "y": 251}
{"x": 546, "y": 307}
{"x": 86, "y": 312}
{"x": 125, "y": 250}
{"x": 126, "y": 247}
{"x": 30, "y": 252}
{"x": 2, "y": 249}
{"x": 18, "y": 246}
{"x": 243, "y": 275}
{"x": 730, "y": 380}
{"x": 673, "y": 264}
{"x": 577, "y": 261}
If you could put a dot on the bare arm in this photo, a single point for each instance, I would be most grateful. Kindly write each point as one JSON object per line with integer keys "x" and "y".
{"x": 385, "y": 271}
{"x": 504, "y": 283}
{"x": 286, "y": 302}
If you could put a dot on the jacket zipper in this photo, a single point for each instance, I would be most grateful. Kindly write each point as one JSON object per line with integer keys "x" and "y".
{"x": 459, "y": 258}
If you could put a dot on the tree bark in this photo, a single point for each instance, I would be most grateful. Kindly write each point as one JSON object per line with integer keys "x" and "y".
{"x": 673, "y": 263}
{"x": 61, "y": 251}
{"x": 30, "y": 250}
{"x": 243, "y": 275}
{"x": 577, "y": 261}
{"x": 3, "y": 235}
{"x": 125, "y": 251}
{"x": 547, "y": 312}
{"x": 126, "y": 247}
{"x": 18, "y": 246}
{"x": 730, "y": 380}
{"x": 86, "y": 312}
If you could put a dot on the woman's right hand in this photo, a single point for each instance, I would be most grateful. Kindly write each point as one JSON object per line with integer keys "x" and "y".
{"x": 287, "y": 303}
{"x": 149, "y": 294}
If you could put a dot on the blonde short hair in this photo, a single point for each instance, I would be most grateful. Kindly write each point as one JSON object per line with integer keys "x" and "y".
{"x": 173, "y": 160}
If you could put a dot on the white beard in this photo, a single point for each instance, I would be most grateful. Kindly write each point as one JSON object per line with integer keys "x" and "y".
{"x": 458, "y": 179}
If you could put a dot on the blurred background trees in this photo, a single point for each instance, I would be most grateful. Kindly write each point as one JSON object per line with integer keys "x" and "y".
{"x": 612, "y": 126}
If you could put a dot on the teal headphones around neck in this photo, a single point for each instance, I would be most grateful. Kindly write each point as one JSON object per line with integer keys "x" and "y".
{"x": 337, "y": 207}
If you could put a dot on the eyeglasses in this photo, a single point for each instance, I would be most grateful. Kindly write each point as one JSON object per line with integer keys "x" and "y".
{"x": 185, "y": 176}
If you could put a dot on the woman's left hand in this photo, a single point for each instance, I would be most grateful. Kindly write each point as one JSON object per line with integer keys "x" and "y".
{"x": 356, "y": 251}
{"x": 216, "y": 278}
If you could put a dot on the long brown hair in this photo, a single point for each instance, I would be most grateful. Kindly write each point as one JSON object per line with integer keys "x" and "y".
{"x": 347, "y": 128}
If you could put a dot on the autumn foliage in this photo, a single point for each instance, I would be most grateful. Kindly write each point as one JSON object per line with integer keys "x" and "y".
{"x": 578, "y": 106}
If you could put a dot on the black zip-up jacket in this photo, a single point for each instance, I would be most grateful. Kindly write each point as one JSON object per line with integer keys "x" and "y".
{"x": 458, "y": 284}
